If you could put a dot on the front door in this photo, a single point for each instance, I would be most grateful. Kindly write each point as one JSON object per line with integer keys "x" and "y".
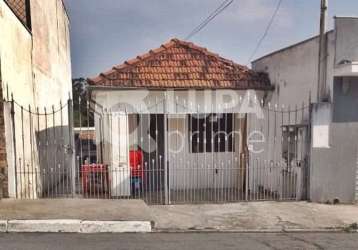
{"x": 151, "y": 138}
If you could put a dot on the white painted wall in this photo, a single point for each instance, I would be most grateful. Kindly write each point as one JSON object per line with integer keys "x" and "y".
{"x": 347, "y": 39}
{"x": 36, "y": 65}
{"x": 36, "y": 68}
{"x": 178, "y": 101}
{"x": 185, "y": 169}
{"x": 293, "y": 71}
{"x": 201, "y": 170}
{"x": 15, "y": 55}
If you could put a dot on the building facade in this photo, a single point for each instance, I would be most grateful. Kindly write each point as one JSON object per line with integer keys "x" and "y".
{"x": 189, "y": 116}
{"x": 35, "y": 69}
{"x": 333, "y": 172}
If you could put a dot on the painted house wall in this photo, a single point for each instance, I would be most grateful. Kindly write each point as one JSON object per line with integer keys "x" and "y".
{"x": 335, "y": 167}
{"x": 51, "y": 52}
{"x": 178, "y": 101}
{"x": 36, "y": 64}
{"x": 347, "y": 39}
{"x": 143, "y": 102}
{"x": 201, "y": 170}
{"x": 16, "y": 67}
{"x": 16, "y": 55}
{"x": 294, "y": 72}
{"x": 36, "y": 68}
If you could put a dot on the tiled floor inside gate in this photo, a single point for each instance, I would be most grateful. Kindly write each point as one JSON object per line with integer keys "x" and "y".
{"x": 190, "y": 196}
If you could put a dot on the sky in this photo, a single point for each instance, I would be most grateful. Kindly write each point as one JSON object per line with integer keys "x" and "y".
{"x": 108, "y": 32}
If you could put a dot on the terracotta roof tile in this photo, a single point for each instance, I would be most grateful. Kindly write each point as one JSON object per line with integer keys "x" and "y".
{"x": 180, "y": 64}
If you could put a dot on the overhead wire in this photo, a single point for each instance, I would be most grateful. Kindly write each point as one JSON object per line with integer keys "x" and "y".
{"x": 266, "y": 31}
{"x": 205, "y": 22}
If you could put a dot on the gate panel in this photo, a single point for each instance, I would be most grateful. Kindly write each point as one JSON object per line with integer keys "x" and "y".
{"x": 163, "y": 156}
{"x": 42, "y": 146}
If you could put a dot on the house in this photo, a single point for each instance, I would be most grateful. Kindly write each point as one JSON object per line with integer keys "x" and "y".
{"x": 178, "y": 106}
{"x": 333, "y": 148}
{"x": 35, "y": 76}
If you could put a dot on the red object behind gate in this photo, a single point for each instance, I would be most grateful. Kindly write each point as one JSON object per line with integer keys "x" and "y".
{"x": 95, "y": 178}
{"x": 136, "y": 162}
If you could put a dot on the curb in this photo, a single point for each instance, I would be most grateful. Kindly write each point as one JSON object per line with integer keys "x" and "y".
{"x": 116, "y": 227}
{"x": 88, "y": 227}
{"x": 74, "y": 226}
{"x": 313, "y": 230}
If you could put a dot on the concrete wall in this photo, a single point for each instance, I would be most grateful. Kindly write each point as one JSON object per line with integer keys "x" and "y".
{"x": 347, "y": 39}
{"x": 201, "y": 170}
{"x": 16, "y": 56}
{"x": 36, "y": 69}
{"x": 16, "y": 69}
{"x": 333, "y": 172}
{"x": 294, "y": 71}
{"x": 185, "y": 168}
{"x": 36, "y": 64}
{"x": 334, "y": 168}
{"x": 51, "y": 52}
{"x": 178, "y": 101}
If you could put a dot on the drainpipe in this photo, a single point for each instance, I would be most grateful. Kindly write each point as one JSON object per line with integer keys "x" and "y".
{"x": 322, "y": 54}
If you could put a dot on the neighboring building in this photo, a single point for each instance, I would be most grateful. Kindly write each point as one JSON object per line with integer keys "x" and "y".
{"x": 35, "y": 68}
{"x": 334, "y": 146}
{"x": 170, "y": 103}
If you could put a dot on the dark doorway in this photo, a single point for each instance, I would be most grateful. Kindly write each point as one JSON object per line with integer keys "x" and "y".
{"x": 153, "y": 154}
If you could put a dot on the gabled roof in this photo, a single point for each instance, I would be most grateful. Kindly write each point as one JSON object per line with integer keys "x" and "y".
{"x": 180, "y": 64}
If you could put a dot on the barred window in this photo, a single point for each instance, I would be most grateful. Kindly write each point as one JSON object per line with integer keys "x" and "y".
{"x": 211, "y": 133}
{"x": 21, "y": 8}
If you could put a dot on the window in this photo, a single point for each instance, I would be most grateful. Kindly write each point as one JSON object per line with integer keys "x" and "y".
{"x": 21, "y": 9}
{"x": 211, "y": 133}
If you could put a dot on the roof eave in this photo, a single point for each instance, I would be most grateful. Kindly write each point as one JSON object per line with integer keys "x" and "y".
{"x": 102, "y": 87}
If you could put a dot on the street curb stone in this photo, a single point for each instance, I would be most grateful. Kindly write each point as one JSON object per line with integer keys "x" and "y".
{"x": 312, "y": 230}
{"x": 84, "y": 226}
{"x": 43, "y": 226}
{"x": 74, "y": 226}
{"x": 116, "y": 227}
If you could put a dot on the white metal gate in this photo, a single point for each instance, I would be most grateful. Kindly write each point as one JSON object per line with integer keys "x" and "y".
{"x": 164, "y": 157}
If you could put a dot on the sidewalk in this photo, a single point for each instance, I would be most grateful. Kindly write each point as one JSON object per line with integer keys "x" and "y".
{"x": 256, "y": 216}
{"x": 74, "y": 215}
{"x": 115, "y": 216}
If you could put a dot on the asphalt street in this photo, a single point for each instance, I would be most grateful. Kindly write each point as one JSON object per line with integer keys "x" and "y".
{"x": 180, "y": 241}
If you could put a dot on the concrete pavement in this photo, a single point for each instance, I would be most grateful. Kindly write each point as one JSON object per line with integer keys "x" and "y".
{"x": 74, "y": 216}
{"x": 181, "y": 241}
{"x": 75, "y": 209}
{"x": 94, "y": 216}
{"x": 255, "y": 216}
